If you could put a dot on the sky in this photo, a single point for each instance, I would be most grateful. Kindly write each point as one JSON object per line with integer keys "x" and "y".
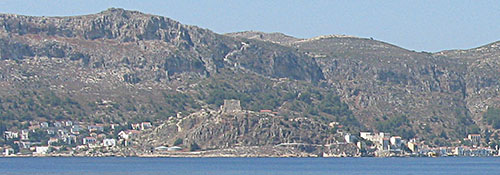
{"x": 420, "y": 25}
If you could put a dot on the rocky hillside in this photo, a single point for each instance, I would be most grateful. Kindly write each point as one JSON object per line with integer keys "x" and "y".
{"x": 218, "y": 129}
{"x": 482, "y": 81}
{"x": 381, "y": 81}
{"x": 125, "y": 66}
{"x": 122, "y": 64}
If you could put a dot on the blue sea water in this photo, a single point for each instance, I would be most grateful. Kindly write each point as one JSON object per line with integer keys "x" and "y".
{"x": 249, "y": 166}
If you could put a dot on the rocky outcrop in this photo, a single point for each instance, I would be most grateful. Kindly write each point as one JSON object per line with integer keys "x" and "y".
{"x": 216, "y": 130}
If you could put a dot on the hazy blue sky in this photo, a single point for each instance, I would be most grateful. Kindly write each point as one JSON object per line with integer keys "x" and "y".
{"x": 422, "y": 25}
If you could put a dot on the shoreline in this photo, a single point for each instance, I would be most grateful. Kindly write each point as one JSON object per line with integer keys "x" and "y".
{"x": 197, "y": 155}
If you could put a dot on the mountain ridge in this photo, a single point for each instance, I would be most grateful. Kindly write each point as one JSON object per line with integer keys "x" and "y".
{"x": 124, "y": 66}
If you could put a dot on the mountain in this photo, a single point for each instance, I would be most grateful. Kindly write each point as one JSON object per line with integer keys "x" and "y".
{"x": 482, "y": 81}
{"x": 120, "y": 56}
{"x": 381, "y": 81}
{"x": 121, "y": 66}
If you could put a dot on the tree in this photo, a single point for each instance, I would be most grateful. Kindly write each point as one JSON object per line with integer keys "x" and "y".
{"x": 443, "y": 135}
{"x": 194, "y": 147}
{"x": 178, "y": 142}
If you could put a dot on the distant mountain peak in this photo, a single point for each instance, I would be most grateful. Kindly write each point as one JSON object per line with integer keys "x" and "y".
{"x": 274, "y": 37}
{"x": 113, "y": 10}
{"x": 329, "y": 37}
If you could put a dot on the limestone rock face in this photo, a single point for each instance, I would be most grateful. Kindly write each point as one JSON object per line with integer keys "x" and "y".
{"x": 157, "y": 41}
{"x": 217, "y": 129}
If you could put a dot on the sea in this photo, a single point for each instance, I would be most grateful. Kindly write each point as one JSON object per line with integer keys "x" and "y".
{"x": 248, "y": 166}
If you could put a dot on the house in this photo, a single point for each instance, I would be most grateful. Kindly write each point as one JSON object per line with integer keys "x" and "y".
{"x": 376, "y": 138}
{"x": 128, "y": 134}
{"x": 146, "y": 125}
{"x": 42, "y": 149}
{"x": 68, "y": 123}
{"x": 70, "y": 139}
{"x": 52, "y": 141}
{"x": 10, "y": 135}
{"x": 75, "y": 129}
{"x": 474, "y": 138}
{"x": 94, "y": 128}
{"x": 25, "y": 134}
{"x": 44, "y": 125}
{"x": 109, "y": 142}
{"x": 89, "y": 140}
{"x": 58, "y": 124}
{"x": 136, "y": 126}
{"x": 8, "y": 151}
{"x": 366, "y": 135}
{"x": 413, "y": 147}
{"x": 51, "y": 131}
{"x": 349, "y": 138}
{"x": 396, "y": 141}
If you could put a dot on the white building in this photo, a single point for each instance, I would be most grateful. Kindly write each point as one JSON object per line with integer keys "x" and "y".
{"x": 10, "y": 135}
{"x": 146, "y": 125}
{"x": 413, "y": 147}
{"x": 474, "y": 138}
{"x": 8, "y": 151}
{"x": 378, "y": 139}
{"x": 127, "y": 134}
{"x": 25, "y": 134}
{"x": 366, "y": 135}
{"x": 41, "y": 149}
{"x": 349, "y": 138}
{"x": 396, "y": 141}
{"x": 44, "y": 125}
{"x": 109, "y": 142}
